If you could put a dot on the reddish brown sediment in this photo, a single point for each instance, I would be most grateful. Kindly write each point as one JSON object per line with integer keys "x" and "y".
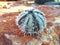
{"x": 8, "y": 26}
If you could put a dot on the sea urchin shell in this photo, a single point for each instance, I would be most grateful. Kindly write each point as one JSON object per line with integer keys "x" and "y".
{"x": 31, "y": 21}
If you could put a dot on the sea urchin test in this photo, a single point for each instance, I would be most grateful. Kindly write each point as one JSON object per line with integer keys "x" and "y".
{"x": 31, "y": 21}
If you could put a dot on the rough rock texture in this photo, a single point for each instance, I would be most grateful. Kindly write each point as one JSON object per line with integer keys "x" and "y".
{"x": 10, "y": 34}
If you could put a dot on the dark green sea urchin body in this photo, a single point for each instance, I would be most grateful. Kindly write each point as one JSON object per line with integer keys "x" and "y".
{"x": 31, "y": 21}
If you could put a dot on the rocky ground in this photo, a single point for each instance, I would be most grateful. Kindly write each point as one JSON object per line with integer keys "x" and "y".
{"x": 10, "y": 34}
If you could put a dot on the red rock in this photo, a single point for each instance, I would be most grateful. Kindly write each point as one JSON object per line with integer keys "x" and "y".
{"x": 8, "y": 26}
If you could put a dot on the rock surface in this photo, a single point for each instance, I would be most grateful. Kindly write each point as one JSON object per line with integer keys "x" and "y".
{"x": 10, "y": 34}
